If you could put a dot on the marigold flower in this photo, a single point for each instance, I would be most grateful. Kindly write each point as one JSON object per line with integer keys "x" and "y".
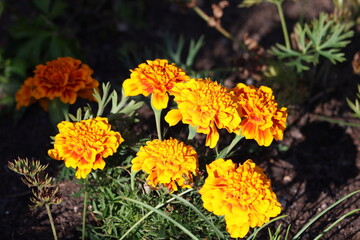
{"x": 242, "y": 194}
{"x": 83, "y": 145}
{"x": 205, "y": 104}
{"x": 169, "y": 162}
{"x": 155, "y": 77}
{"x": 261, "y": 118}
{"x": 24, "y": 96}
{"x": 65, "y": 78}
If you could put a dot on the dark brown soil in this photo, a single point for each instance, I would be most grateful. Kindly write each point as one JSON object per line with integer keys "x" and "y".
{"x": 321, "y": 164}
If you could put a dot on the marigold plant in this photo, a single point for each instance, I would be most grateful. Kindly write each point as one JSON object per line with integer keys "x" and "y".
{"x": 84, "y": 145}
{"x": 156, "y": 77}
{"x": 65, "y": 78}
{"x": 242, "y": 194}
{"x": 169, "y": 162}
{"x": 207, "y": 105}
{"x": 261, "y": 118}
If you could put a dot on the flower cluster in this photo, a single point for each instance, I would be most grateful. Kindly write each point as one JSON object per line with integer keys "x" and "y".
{"x": 156, "y": 77}
{"x": 206, "y": 105}
{"x": 83, "y": 145}
{"x": 241, "y": 193}
{"x": 169, "y": 162}
{"x": 65, "y": 78}
{"x": 261, "y": 118}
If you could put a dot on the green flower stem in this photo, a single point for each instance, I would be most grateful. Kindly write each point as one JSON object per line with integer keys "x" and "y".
{"x": 226, "y": 150}
{"x": 157, "y": 114}
{"x": 51, "y": 221}
{"x": 236, "y": 139}
{"x": 283, "y": 23}
{"x": 84, "y": 216}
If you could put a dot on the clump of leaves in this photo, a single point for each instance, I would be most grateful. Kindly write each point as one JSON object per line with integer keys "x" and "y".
{"x": 323, "y": 37}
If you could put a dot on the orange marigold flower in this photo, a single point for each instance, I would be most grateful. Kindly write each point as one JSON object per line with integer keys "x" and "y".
{"x": 205, "y": 104}
{"x": 24, "y": 96}
{"x": 261, "y": 118}
{"x": 83, "y": 145}
{"x": 65, "y": 78}
{"x": 242, "y": 194}
{"x": 155, "y": 77}
{"x": 169, "y": 162}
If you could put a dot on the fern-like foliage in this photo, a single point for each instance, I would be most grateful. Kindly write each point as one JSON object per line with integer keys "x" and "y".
{"x": 355, "y": 106}
{"x": 323, "y": 37}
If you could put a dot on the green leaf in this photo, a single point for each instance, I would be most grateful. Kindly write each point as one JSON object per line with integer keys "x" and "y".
{"x": 42, "y": 5}
{"x": 58, "y": 8}
{"x": 194, "y": 50}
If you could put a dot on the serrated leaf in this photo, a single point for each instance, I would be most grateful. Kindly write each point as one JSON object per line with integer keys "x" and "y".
{"x": 58, "y": 8}
{"x": 42, "y": 5}
{"x": 131, "y": 108}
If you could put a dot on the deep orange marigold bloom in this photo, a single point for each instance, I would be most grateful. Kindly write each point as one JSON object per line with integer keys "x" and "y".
{"x": 155, "y": 77}
{"x": 65, "y": 78}
{"x": 169, "y": 162}
{"x": 24, "y": 95}
{"x": 207, "y": 105}
{"x": 242, "y": 194}
{"x": 261, "y": 118}
{"x": 84, "y": 145}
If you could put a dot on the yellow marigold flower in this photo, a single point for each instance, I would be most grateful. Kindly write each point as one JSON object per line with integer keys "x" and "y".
{"x": 242, "y": 194}
{"x": 261, "y": 118}
{"x": 23, "y": 96}
{"x": 83, "y": 145}
{"x": 169, "y": 162}
{"x": 65, "y": 78}
{"x": 155, "y": 77}
{"x": 205, "y": 104}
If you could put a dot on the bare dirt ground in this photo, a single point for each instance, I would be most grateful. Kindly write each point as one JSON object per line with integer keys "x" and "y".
{"x": 321, "y": 164}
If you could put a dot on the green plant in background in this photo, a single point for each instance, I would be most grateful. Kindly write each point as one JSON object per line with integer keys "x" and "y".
{"x": 311, "y": 43}
{"x": 45, "y": 191}
{"x": 354, "y": 106}
{"x": 41, "y": 39}
{"x": 324, "y": 37}
{"x": 11, "y": 71}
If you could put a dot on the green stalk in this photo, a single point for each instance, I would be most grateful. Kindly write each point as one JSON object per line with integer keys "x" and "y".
{"x": 236, "y": 139}
{"x": 226, "y": 150}
{"x": 157, "y": 114}
{"x": 149, "y": 213}
{"x": 283, "y": 23}
{"x": 297, "y": 236}
{"x": 51, "y": 221}
{"x": 84, "y": 216}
